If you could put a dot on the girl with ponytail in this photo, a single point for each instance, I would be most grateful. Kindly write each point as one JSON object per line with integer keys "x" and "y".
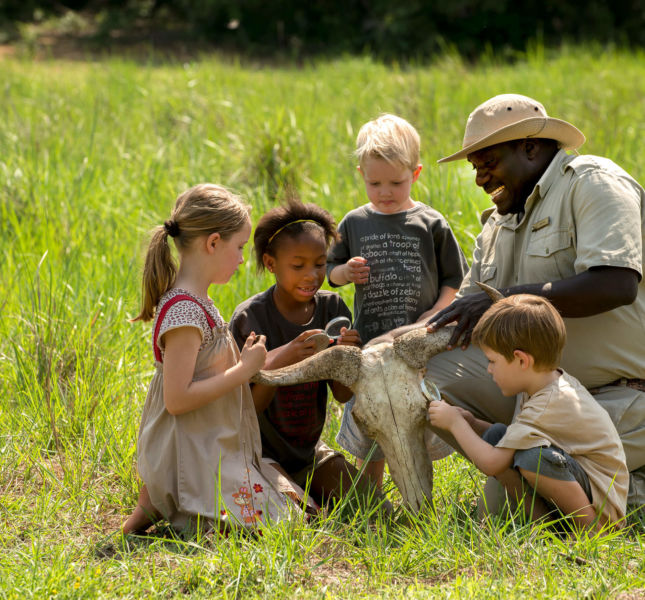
{"x": 199, "y": 450}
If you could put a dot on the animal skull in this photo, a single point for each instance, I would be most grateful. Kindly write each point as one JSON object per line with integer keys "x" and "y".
{"x": 389, "y": 404}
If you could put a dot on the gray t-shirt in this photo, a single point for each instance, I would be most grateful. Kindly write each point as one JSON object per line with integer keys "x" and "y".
{"x": 411, "y": 255}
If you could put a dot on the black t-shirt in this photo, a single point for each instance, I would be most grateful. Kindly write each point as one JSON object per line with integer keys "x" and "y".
{"x": 292, "y": 423}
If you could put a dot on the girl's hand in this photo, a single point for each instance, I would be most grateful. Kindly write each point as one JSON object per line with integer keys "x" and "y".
{"x": 349, "y": 337}
{"x": 356, "y": 270}
{"x": 293, "y": 351}
{"x": 300, "y": 347}
{"x": 443, "y": 415}
{"x": 254, "y": 353}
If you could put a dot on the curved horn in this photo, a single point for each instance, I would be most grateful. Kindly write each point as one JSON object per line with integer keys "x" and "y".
{"x": 494, "y": 294}
{"x": 416, "y": 347}
{"x": 341, "y": 363}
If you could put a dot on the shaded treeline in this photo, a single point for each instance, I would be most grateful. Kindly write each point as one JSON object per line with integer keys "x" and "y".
{"x": 411, "y": 29}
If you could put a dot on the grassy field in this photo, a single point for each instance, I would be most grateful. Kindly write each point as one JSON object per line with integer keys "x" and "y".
{"x": 92, "y": 155}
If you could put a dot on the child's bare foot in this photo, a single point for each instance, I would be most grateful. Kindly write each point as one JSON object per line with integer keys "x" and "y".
{"x": 138, "y": 521}
{"x": 144, "y": 515}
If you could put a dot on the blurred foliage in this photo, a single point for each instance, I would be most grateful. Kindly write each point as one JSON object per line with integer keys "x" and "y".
{"x": 412, "y": 29}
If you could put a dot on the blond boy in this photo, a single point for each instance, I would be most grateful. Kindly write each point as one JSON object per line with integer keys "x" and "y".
{"x": 401, "y": 255}
{"x": 561, "y": 443}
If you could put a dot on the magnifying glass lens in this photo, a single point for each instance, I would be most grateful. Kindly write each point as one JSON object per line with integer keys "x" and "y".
{"x": 335, "y": 325}
{"x": 430, "y": 390}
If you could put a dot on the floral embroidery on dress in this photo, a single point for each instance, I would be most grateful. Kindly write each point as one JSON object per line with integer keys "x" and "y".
{"x": 244, "y": 499}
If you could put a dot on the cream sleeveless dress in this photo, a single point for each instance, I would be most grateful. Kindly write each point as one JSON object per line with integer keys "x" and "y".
{"x": 205, "y": 467}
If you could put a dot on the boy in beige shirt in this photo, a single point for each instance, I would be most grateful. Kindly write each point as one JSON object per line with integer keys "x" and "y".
{"x": 561, "y": 448}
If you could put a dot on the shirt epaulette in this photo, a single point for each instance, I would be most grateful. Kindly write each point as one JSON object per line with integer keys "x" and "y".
{"x": 486, "y": 213}
{"x": 588, "y": 162}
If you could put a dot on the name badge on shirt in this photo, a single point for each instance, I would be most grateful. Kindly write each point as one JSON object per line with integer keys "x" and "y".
{"x": 541, "y": 224}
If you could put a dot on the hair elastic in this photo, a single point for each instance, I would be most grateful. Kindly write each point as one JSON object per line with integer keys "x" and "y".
{"x": 292, "y": 223}
{"x": 171, "y": 228}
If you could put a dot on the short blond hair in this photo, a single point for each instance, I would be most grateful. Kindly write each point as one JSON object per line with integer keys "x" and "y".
{"x": 523, "y": 322}
{"x": 391, "y": 138}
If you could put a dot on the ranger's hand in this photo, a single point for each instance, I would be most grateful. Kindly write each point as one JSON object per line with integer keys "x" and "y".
{"x": 466, "y": 312}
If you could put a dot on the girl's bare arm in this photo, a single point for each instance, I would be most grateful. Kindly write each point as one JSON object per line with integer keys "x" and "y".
{"x": 181, "y": 393}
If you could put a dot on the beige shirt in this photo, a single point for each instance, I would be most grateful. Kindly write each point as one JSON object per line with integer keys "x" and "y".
{"x": 565, "y": 414}
{"x": 584, "y": 212}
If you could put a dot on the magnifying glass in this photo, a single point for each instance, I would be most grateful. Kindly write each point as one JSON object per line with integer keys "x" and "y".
{"x": 430, "y": 390}
{"x": 335, "y": 325}
{"x": 331, "y": 333}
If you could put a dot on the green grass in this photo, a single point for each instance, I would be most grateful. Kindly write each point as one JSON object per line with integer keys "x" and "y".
{"x": 92, "y": 155}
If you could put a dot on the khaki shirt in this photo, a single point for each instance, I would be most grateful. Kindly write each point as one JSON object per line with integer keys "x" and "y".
{"x": 584, "y": 212}
{"x": 566, "y": 415}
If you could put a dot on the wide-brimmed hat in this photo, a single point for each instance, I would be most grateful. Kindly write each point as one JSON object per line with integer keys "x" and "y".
{"x": 510, "y": 117}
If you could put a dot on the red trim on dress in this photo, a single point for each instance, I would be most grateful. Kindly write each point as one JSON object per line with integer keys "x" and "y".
{"x": 162, "y": 314}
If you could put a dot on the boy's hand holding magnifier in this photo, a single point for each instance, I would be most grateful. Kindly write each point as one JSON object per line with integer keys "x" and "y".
{"x": 440, "y": 413}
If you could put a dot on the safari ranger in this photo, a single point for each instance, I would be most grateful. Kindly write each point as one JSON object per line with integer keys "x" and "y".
{"x": 567, "y": 227}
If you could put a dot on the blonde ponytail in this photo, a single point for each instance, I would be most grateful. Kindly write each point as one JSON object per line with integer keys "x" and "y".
{"x": 203, "y": 209}
{"x": 159, "y": 271}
